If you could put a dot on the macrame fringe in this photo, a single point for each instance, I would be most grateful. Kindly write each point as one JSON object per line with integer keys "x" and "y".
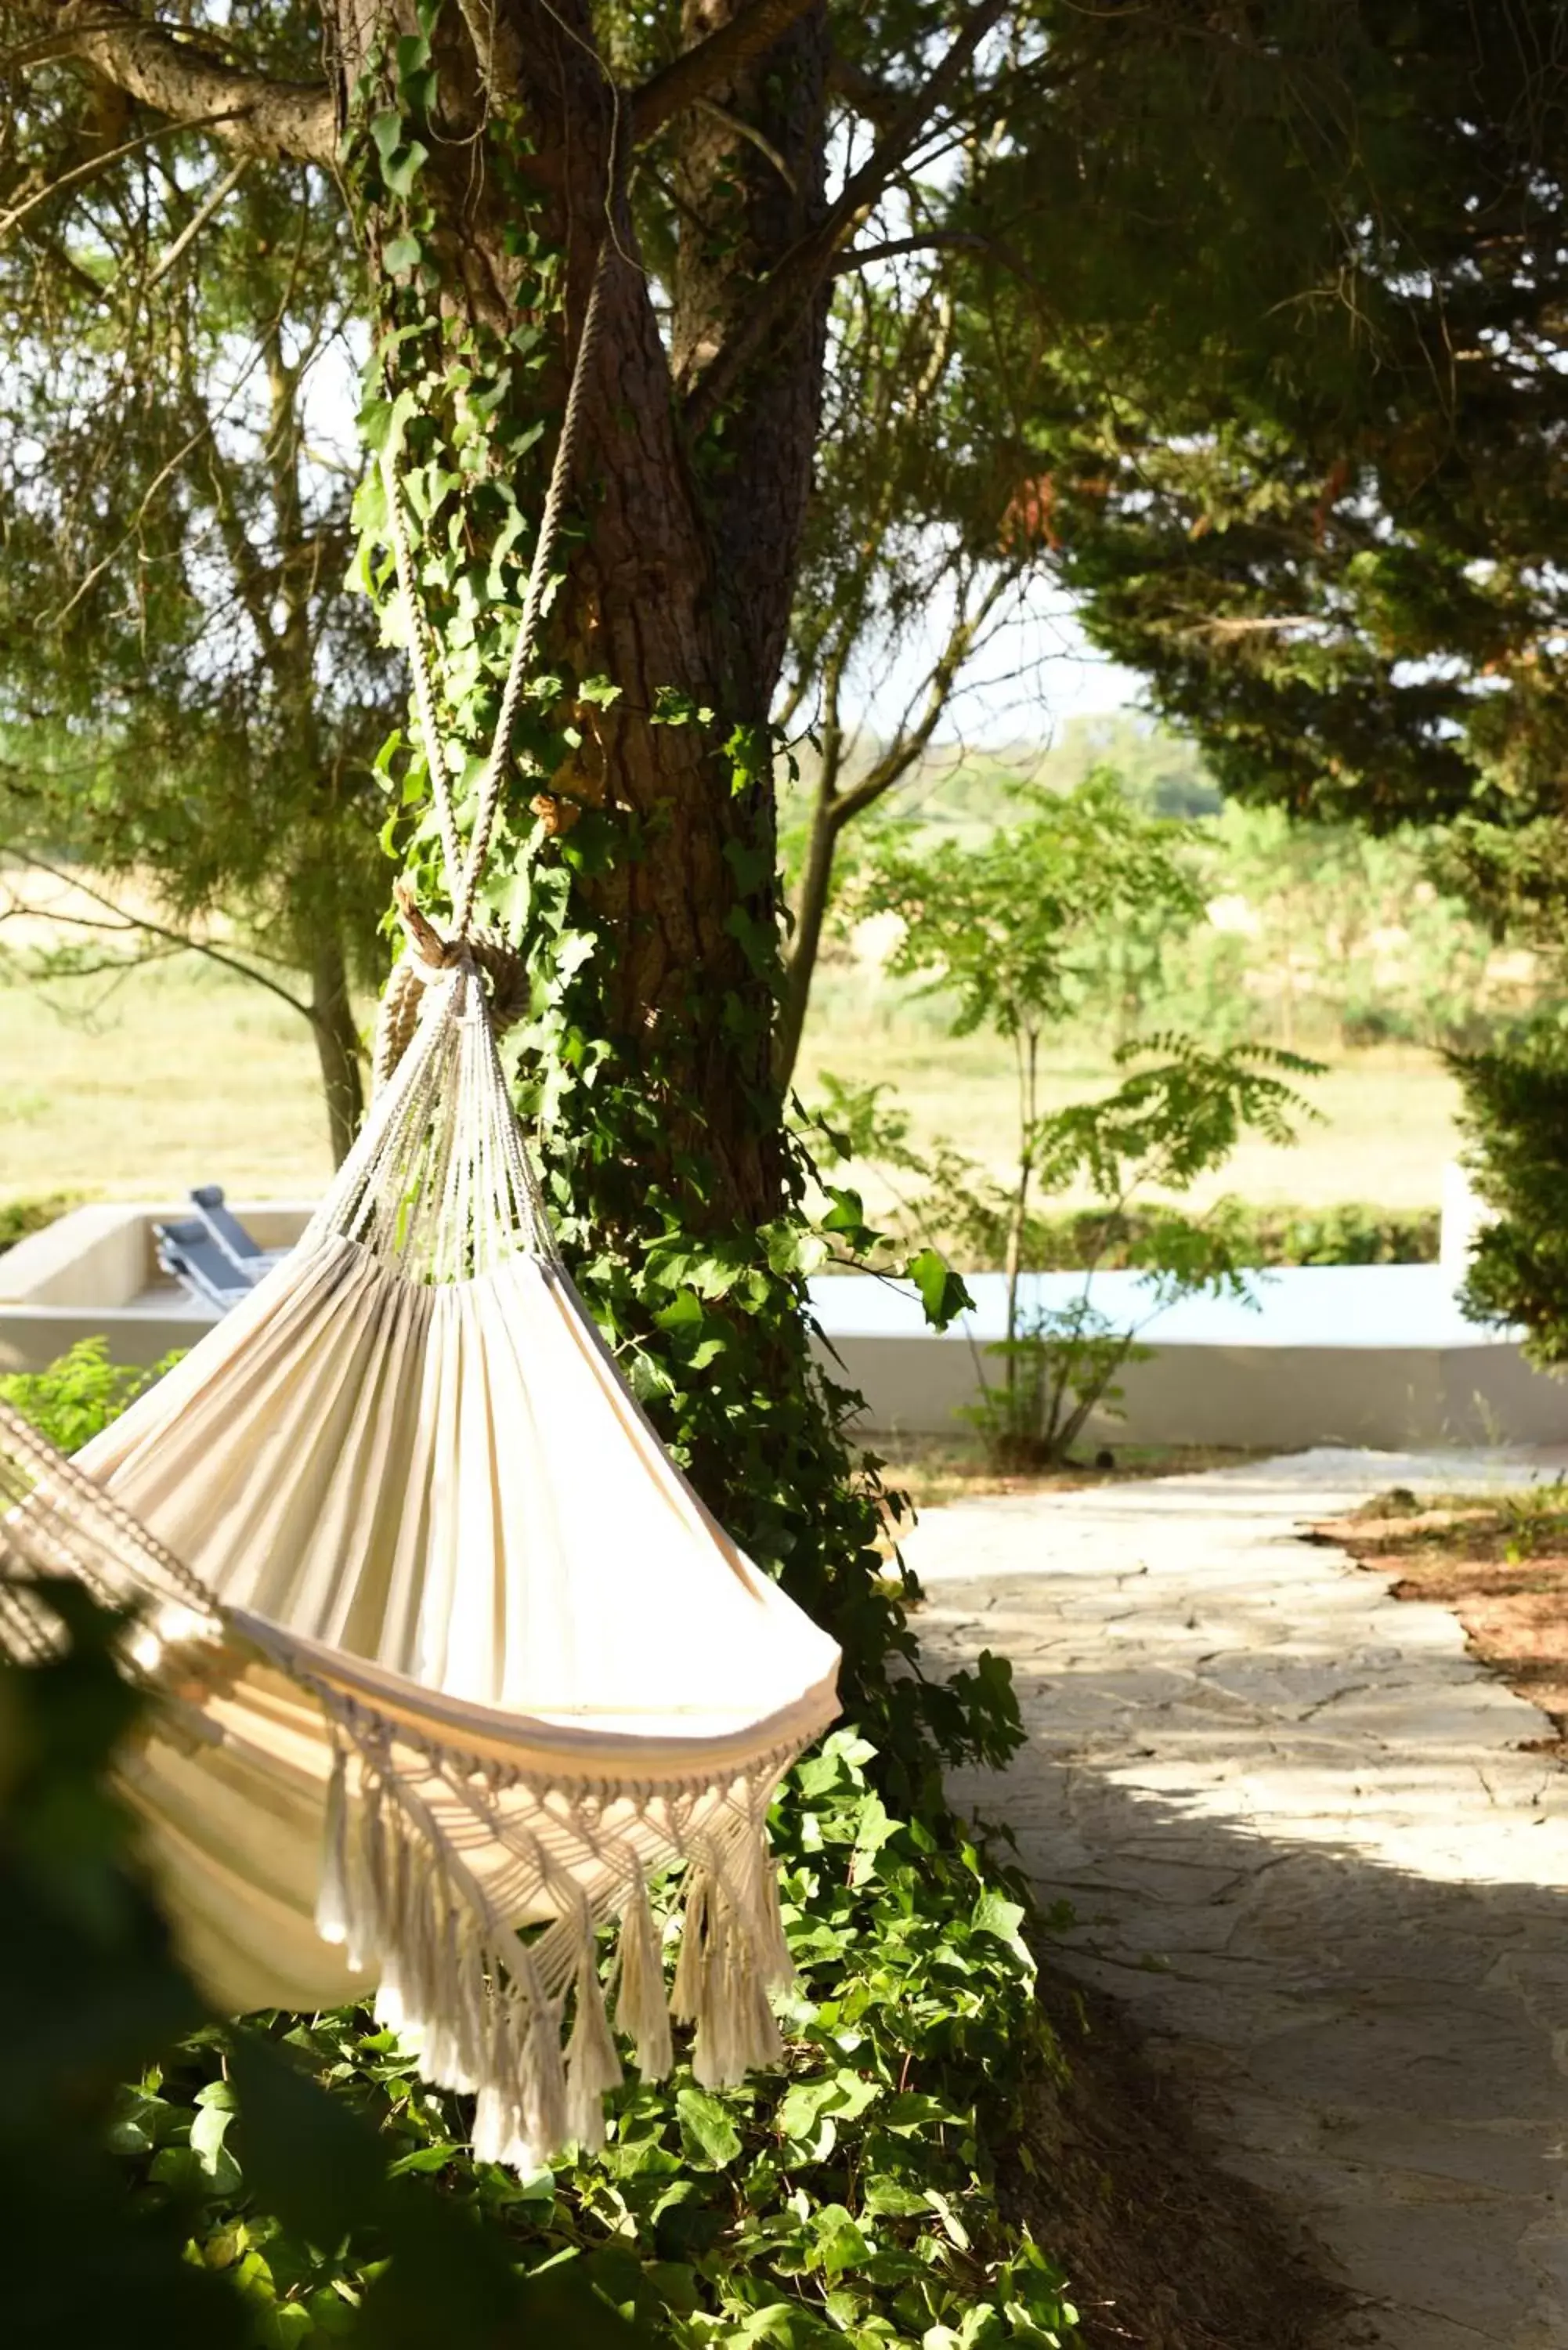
{"x": 395, "y": 1893}
{"x": 729, "y": 1960}
{"x": 641, "y": 2009}
{"x": 592, "y": 2065}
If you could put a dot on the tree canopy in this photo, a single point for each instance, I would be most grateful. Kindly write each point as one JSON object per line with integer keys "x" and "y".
{"x": 1321, "y": 503}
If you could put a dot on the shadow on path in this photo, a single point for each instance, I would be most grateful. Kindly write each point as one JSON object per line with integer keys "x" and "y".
{"x": 1303, "y": 1846}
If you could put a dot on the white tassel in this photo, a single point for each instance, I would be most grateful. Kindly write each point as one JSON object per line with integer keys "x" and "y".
{"x": 494, "y": 2125}
{"x": 736, "y": 2029}
{"x": 393, "y": 2007}
{"x": 641, "y": 2009}
{"x": 542, "y": 2084}
{"x": 445, "y": 2052}
{"x": 689, "y": 1994}
{"x": 763, "y": 1920}
{"x": 367, "y": 1902}
{"x": 592, "y": 2065}
{"x": 475, "y": 1992}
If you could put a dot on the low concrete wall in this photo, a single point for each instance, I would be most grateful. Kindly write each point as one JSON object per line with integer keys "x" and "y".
{"x": 94, "y": 1273}
{"x": 1263, "y": 1396}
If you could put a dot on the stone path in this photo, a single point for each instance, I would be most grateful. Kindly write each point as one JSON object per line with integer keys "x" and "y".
{"x": 1303, "y": 1841}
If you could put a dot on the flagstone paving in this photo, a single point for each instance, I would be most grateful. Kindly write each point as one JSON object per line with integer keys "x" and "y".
{"x": 1305, "y": 1839}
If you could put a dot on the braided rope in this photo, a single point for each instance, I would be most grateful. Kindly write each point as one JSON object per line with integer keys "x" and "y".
{"x": 421, "y": 660}
{"x": 463, "y": 874}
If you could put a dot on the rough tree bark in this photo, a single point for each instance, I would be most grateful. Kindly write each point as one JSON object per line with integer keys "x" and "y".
{"x": 337, "y": 1046}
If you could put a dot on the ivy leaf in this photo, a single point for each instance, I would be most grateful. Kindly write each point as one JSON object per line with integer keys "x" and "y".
{"x": 942, "y": 1293}
{"x": 839, "y": 2243}
{"x": 887, "y": 2197}
{"x": 847, "y": 1219}
{"x": 399, "y": 253}
{"x": 708, "y": 2133}
{"x": 399, "y": 175}
{"x": 425, "y": 2158}
{"x": 877, "y": 1826}
{"x": 994, "y": 1914}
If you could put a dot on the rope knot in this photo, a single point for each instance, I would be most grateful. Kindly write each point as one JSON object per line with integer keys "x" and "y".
{"x": 500, "y": 969}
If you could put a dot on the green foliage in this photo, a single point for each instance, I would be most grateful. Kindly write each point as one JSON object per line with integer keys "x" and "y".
{"x": 1002, "y": 927}
{"x": 1168, "y": 1122}
{"x": 996, "y": 926}
{"x": 91, "y": 1994}
{"x": 80, "y": 1393}
{"x": 1311, "y": 934}
{"x": 190, "y": 702}
{"x": 1348, "y": 1234}
{"x": 1333, "y": 556}
{"x": 20, "y": 1217}
{"x": 1516, "y": 1119}
{"x": 1062, "y": 1365}
{"x": 87, "y": 1991}
{"x": 1324, "y": 932}
{"x": 850, "y": 2200}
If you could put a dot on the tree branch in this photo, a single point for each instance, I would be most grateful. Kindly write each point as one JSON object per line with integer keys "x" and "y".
{"x": 198, "y": 221}
{"x": 156, "y": 65}
{"x": 961, "y": 240}
{"x": 95, "y": 167}
{"x": 878, "y": 101}
{"x": 713, "y": 63}
{"x": 796, "y": 279}
{"x": 178, "y": 941}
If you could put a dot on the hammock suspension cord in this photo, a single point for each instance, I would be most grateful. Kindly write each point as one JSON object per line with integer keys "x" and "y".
{"x": 463, "y": 872}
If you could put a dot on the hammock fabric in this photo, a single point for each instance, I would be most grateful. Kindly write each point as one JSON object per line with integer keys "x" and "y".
{"x": 449, "y": 1657}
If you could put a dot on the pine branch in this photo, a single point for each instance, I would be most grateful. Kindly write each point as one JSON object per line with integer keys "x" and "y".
{"x": 160, "y": 67}
{"x": 714, "y": 62}
{"x": 170, "y": 941}
{"x": 800, "y": 272}
{"x": 862, "y": 93}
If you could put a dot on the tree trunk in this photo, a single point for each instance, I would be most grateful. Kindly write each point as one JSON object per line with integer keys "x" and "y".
{"x": 810, "y": 914}
{"x": 678, "y": 591}
{"x": 337, "y": 1044}
{"x": 1027, "y": 1047}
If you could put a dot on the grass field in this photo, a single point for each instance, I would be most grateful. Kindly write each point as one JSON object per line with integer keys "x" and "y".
{"x": 180, "y": 1076}
{"x": 175, "y": 1079}
{"x": 1385, "y": 1122}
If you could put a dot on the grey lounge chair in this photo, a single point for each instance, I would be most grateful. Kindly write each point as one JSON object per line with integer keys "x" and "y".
{"x": 222, "y": 1226}
{"x": 203, "y": 1270}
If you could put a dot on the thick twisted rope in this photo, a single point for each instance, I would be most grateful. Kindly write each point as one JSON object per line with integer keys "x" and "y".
{"x": 463, "y": 874}
{"x": 420, "y": 662}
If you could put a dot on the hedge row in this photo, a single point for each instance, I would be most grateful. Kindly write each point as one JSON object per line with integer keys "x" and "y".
{"x": 1351, "y": 1234}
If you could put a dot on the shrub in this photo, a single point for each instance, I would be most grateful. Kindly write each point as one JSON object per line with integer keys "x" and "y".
{"x": 1516, "y": 1119}
{"x": 20, "y": 1217}
{"x": 80, "y": 1393}
{"x": 1349, "y": 1235}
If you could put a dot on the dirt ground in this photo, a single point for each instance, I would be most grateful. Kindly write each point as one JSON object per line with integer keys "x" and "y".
{"x": 1166, "y": 2251}
{"x": 932, "y": 1470}
{"x": 1499, "y": 1562}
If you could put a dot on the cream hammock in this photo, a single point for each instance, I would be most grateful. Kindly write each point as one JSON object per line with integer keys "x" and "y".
{"x": 450, "y": 1656}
